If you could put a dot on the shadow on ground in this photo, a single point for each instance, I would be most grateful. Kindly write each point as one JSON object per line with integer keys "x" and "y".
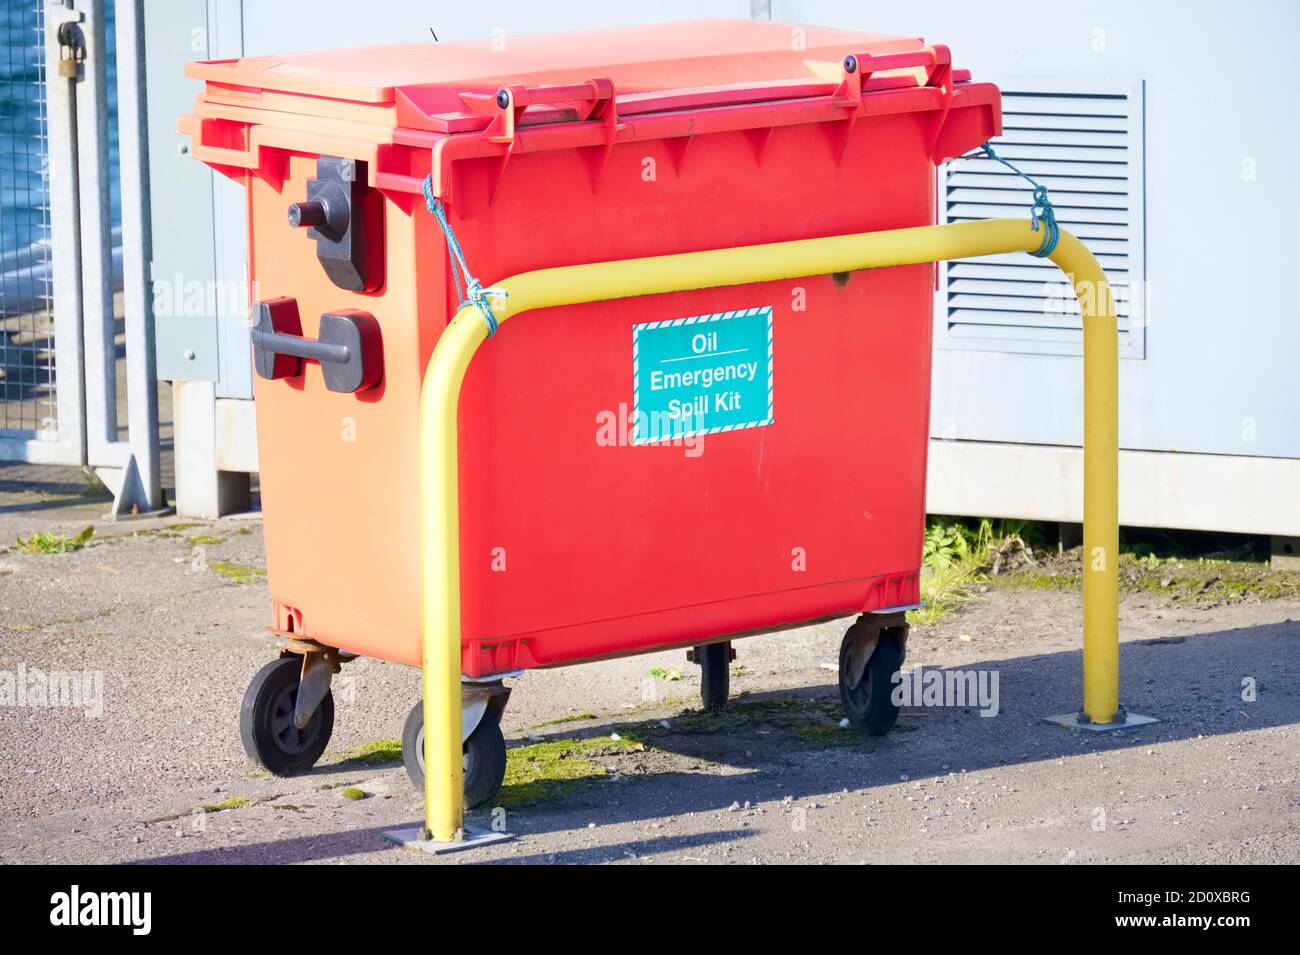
{"x": 1193, "y": 683}
{"x": 71, "y": 490}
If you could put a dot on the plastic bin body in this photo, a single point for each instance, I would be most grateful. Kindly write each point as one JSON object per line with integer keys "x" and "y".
{"x": 578, "y": 541}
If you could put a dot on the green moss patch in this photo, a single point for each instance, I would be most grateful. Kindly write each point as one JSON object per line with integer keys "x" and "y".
{"x": 827, "y": 735}
{"x": 557, "y": 768}
{"x": 234, "y": 802}
{"x": 239, "y": 573}
{"x": 812, "y": 721}
{"x": 574, "y": 718}
{"x": 379, "y": 752}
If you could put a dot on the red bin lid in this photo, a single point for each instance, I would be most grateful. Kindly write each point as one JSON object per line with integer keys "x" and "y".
{"x": 652, "y": 58}
{"x": 558, "y": 90}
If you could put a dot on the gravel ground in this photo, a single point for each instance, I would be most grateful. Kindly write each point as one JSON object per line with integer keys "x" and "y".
{"x": 772, "y": 780}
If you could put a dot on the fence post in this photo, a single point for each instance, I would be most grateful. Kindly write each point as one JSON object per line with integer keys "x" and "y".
{"x": 145, "y": 493}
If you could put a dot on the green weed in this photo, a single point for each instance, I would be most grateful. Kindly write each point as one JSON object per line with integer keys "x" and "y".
{"x": 43, "y": 542}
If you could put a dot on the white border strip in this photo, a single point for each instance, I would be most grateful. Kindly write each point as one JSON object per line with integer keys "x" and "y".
{"x": 1175, "y": 489}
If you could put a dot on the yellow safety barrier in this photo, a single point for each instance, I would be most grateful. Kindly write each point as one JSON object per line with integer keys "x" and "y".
{"x": 605, "y": 281}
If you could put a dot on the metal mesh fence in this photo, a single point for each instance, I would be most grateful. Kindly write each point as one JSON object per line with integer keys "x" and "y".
{"x": 27, "y": 381}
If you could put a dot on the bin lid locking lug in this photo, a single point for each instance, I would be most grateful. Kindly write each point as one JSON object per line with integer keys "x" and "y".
{"x": 332, "y": 214}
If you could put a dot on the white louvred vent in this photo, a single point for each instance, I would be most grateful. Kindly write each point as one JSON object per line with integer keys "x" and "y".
{"x": 1086, "y": 148}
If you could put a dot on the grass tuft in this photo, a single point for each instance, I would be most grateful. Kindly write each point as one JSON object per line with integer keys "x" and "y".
{"x": 959, "y": 553}
{"x": 43, "y": 542}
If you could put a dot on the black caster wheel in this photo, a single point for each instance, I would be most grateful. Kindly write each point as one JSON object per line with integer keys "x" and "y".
{"x": 266, "y": 720}
{"x": 715, "y": 674}
{"x": 869, "y": 704}
{"x": 483, "y": 759}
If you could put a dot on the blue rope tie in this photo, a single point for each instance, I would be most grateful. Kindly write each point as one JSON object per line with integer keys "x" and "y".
{"x": 473, "y": 291}
{"x": 1040, "y": 211}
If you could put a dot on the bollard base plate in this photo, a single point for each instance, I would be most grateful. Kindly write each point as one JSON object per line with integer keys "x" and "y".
{"x": 474, "y": 838}
{"x": 1123, "y": 721}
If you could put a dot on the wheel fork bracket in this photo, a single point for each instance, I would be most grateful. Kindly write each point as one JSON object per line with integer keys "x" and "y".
{"x": 870, "y": 626}
{"x": 318, "y": 669}
{"x": 864, "y": 645}
{"x": 476, "y": 700}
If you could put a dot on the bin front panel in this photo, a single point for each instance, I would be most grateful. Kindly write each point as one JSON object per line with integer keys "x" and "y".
{"x": 829, "y": 494}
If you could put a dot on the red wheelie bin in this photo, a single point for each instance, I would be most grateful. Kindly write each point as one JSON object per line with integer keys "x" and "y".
{"x": 675, "y": 470}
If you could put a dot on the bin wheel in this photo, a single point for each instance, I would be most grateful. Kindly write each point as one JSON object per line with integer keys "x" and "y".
{"x": 266, "y": 720}
{"x": 715, "y": 674}
{"x": 870, "y": 705}
{"x": 483, "y": 759}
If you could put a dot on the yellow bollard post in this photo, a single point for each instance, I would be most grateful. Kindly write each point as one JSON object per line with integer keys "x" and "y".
{"x": 1100, "y": 486}
{"x": 440, "y": 536}
{"x": 607, "y": 281}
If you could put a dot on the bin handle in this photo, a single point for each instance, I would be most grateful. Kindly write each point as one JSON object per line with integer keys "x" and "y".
{"x": 858, "y": 68}
{"x": 348, "y": 349}
{"x": 199, "y": 128}
{"x": 594, "y": 99}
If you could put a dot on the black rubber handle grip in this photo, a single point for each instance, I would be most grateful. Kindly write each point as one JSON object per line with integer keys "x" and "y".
{"x": 349, "y": 349}
{"x": 298, "y": 347}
